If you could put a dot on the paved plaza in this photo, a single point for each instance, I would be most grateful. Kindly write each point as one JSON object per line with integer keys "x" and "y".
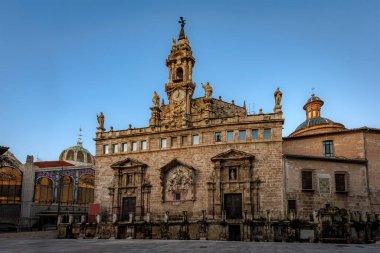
{"x": 167, "y": 246}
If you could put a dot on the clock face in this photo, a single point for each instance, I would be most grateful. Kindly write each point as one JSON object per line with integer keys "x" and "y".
{"x": 178, "y": 95}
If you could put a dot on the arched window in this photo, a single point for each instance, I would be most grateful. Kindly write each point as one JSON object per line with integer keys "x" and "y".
{"x": 86, "y": 189}
{"x": 67, "y": 190}
{"x": 10, "y": 185}
{"x": 44, "y": 191}
{"x": 70, "y": 155}
{"x": 179, "y": 74}
{"x": 89, "y": 158}
{"x": 80, "y": 156}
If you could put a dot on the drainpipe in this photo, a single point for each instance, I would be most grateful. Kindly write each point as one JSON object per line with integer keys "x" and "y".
{"x": 366, "y": 169}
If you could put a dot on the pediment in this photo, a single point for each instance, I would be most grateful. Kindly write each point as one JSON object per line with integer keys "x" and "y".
{"x": 174, "y": 163}
{"x": 128, "y": 163}
{"x": 9, "y": 160}
{"x": 233, "y": 154}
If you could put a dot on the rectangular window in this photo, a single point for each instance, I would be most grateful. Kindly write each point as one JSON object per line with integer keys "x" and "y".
{"x": 144, "y": 145}
{"x": 218, "y": 136}
{"x": 195, "y": 139}
{"x": 307, "y": 180}
{"x": 255, "y": 134}
{"x": 115, "y": 148}
{"x": 173, "y": 141}
{"x": 340, "y": 182}
{"x": 124, "y": 147}
{"x": 242, "y": 135}
{"x": 163, "y": 143}
{"x": 105, "y": 149}
{"x": 177, "y": 196}
{"x": 230, "y": 135}
{"x": 134, "y": 146}
{"x": 292, "y": 208}
{"x": 328, "y": 148}
{"x": 267, "y": 134}
{"x": 184, "y": 140}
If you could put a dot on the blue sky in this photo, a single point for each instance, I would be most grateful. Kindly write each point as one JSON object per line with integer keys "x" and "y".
{"x": 63, "y": 62}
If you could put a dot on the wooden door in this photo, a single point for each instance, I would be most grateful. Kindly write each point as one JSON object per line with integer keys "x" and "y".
{"x": 233, "y": 205}
{"x": 129, "y": 206}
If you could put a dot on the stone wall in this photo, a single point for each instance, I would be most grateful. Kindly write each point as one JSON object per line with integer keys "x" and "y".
{"x": 267, "y": 165}
{"x": 355, "y": 199}
{"x": 373, "y": 157}
{"x": 348, "y": 144}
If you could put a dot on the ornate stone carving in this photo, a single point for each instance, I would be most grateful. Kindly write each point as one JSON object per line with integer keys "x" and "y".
{"x": 100, "y": 119}
{"x": 156, "y": 100}
{"x": 179, "y": 180}
{"x": 277, "y": 99}
{"x": 208, "y": 90}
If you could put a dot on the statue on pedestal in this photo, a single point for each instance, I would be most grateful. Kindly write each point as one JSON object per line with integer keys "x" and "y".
{"x": 277, "y": 100}
{"x": 100, "y": 119}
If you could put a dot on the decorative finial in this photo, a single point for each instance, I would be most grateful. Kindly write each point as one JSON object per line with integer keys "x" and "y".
{"x": 79, "y": 141}
{"x": 244, "y": 106}
{"x": 182, "y": 32}
{"x": 156, "y": 99}
{"x": 162, "y": 102}
{"x": 208, "y": 90}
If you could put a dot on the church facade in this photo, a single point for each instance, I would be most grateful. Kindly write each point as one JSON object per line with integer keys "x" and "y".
{"x": 199, "y": 156}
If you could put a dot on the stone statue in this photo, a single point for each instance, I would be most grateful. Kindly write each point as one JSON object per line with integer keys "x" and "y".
{"x": 156, "y": 99}
{"x": 208, "y": 90}
{"x": 277, "y": 99}
{"x": 100, "y": 118}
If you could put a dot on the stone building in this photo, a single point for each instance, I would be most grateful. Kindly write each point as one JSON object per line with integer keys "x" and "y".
{"x": 196, "y": 154}
{"x": 327, "y": 164}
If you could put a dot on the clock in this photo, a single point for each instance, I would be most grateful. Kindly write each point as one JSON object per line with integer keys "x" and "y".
{"x": 178, "y": 95}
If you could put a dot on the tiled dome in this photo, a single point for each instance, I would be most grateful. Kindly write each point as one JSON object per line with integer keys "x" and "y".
{"x": 77, "y": 154}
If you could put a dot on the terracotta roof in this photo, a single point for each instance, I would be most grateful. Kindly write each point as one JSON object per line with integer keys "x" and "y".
{"x": 3, "y": 149}
{"x": 343, "y": 131}
{"x": 51, "y": 164}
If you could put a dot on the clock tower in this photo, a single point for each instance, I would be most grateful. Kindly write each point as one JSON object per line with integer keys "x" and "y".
{"x": 179, "y": 87}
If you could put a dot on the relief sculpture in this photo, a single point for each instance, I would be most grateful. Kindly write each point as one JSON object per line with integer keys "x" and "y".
{"x": 179, "y": 184}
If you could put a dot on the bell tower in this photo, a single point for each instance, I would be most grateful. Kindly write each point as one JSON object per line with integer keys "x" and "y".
{"x": 179, "y": 87}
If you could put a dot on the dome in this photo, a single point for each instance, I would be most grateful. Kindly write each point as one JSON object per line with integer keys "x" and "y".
{"x": 313, "y": 98}
{"x": 77, "y": 155}
{"x": 314, "y": 122}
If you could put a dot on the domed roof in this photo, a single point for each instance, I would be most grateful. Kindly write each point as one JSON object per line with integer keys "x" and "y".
{"x": 313, "y": 98}
{"x": 77, "y": 154}
{"x": 313, "y": 122}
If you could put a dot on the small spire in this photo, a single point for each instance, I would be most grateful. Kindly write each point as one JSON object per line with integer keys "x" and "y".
{"x": 182, "y": 32}
{"x": 79, "y": 141}
{"x": 162, "y": 102}
{"x": 244, "y": 106}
